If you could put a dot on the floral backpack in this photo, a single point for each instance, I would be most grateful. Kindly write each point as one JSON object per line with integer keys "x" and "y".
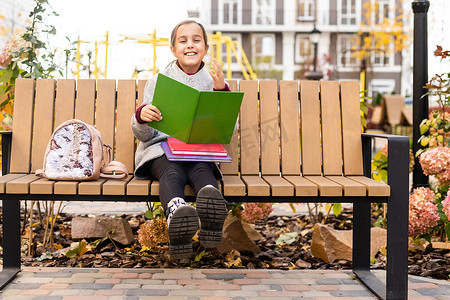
{"x": 76, "y": 152}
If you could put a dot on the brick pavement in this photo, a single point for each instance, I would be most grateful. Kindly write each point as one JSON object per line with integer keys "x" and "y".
{"x": 201, "y": 284}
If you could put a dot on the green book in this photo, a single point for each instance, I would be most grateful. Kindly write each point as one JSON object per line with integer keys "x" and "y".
{"x": 195, "y": 117}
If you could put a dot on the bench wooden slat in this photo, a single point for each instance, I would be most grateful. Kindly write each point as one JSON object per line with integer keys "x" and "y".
{"x": 270, "y": 140}
{"x": 140, "y": 89}
{"x": 137, "y": 187}
{"x": 249, "y": 129}
{"x": 233, "y": 186}
{"x": 85, "y": 103}
{"x": 310, "y": 128}
{"x": 20, "y": 185}
{"x": 351, "y": 128}
{"x": 7, "y": 178}
{"x": 351, "y": 187}
{"x": 374, "y": 188}
{"x": 105, "y": 110}
{"x": 126, "y": 105}
{"x": 23, "y": 117}
{"x": 42, "y": 186}
{"x": 116, "y": 186}
{"x": 42, "y": 121}
{"x": 256, "y": 186}
{"x": 326, "y": 187}
{"x": 65, "y": 101}
{"x": 303, "y": 187}
{"x": 66, "y": 187}
{"x": 289, "y": 128}
{"x": 154, "y": 189}
{"x": 331, "y": 128}
{"x": 232, "y": 148}
{"x": 279, "y": 186}
{"x": 91, "y": 187}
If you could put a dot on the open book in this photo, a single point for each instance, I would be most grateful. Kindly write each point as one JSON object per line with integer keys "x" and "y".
{"x": 195, "y": 117}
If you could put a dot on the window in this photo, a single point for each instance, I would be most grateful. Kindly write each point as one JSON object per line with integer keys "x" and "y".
{"x": 264, "y": 12}
{"x": 234, "y": 37}
{"x": 303, "y": 49}
{"x": 382, "y": 11}
{"x": 345, "y": 55}
{"x": 263, "y": 49}
{"x": 347, "y": 12}
{"x": 381, "y": 57}
{"x": 305, "y": 10}
{"x": 230, "y": 11}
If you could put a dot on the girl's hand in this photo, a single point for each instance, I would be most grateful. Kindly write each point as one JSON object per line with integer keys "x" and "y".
{"x": 150, "y": 113}
{"x": 217, "y": 76}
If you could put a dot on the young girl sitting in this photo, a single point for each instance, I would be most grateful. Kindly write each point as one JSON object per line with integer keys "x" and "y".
{"x": 189, "y": 45}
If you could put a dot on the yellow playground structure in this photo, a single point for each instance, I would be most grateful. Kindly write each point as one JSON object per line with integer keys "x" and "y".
{"x": 218, "y": 41}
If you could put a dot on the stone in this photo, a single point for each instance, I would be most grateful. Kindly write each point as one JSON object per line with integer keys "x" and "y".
{"x": 99, "y": 227}
{"x": 236, "y": 238}
{"x": 251, "y": 232}
{"x": 330, "y": 244}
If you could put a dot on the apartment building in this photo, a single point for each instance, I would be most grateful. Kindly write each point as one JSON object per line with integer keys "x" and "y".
{"x": 275, "y": 35}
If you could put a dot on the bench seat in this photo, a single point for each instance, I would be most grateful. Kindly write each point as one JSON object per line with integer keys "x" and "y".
{"x": 297, "y": 141}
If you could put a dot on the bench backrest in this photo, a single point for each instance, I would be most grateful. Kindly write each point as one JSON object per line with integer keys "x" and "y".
{"x": 286, "y": 127}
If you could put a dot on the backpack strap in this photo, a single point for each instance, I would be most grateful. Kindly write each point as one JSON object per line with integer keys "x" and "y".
{"x": 114, "y": 169}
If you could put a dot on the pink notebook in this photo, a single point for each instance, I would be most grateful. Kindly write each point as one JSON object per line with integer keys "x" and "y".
{"x": 180, "y": 148}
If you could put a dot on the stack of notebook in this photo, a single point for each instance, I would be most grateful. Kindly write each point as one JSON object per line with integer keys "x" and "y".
{"x": 179, "y": 151}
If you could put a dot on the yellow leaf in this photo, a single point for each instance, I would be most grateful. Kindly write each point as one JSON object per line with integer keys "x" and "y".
{"x": 57, "y": 246}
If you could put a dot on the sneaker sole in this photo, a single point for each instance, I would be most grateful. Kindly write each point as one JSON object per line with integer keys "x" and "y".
{"x": 182, "y": 228}
{"x": 212, "y": 212}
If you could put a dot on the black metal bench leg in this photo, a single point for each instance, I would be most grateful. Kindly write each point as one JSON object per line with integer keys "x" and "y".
{"x": 361, "y": 250}
{"x": 11, "y": 241}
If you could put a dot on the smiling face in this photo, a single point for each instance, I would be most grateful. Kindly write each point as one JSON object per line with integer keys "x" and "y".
{"x": 189, "y": 47}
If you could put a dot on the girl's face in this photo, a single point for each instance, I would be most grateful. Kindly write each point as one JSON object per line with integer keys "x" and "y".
{"x": 189, "y": 47}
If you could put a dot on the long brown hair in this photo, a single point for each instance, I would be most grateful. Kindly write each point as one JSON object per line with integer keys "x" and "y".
{"x": 173, "y": 35}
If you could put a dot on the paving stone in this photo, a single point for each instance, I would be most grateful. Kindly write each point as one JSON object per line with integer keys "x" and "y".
{"x": 23, "y": 286}
{"x": 328, "y": 281}
{"x": 93, "y": 286}
{"x": 147, "y": 292}
{"x": 52, "y": 275}
{"x": 255, "y": 287}
{"x": 114, "y": 292}
{"x": 92, "y": 275}
{"x": 48, "y": 298}
{"x": 35, "y": 292}
{"x": 143, "y": 281}
{"x": 150, "y": 271}
{"x": 276, "y": 287}
{"x": 80, "y": 270}
{"x": 193, "y": 298}
{"x": 127, "y": 286}
{"x": 72, "y": 280}
{"x": 362, "y": 293}
{"x": 434, "y": 292}
{"x": 225, "y": 276}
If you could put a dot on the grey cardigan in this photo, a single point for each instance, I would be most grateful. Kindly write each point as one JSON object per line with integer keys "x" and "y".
{"x": 150, "y": 139}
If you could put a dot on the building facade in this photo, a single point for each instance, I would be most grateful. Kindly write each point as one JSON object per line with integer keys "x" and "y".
{"x": 275, "y": 35}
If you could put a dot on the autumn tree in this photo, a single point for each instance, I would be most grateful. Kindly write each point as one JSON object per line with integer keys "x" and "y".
{"x": 382, "y": 32}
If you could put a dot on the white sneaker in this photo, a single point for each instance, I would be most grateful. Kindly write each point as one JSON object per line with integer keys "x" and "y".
{"x": 182, "y": 221}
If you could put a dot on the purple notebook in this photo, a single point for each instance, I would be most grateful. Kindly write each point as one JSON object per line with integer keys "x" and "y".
{"x": 179, "y": 157}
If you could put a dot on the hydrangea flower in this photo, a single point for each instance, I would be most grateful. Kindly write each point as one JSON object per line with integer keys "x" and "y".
{"x": 256, "y": 211}
{"x": 446, "y": 204}
{"x": 436, "y": 161}
{"x": 153, "y": 232}
{"x": 15, "y": 44}
{"x": 422, "y": 211}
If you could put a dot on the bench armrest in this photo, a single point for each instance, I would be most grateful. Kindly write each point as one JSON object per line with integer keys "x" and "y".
{"x": 398, "y": 156}
{"x": 6, "y": 150}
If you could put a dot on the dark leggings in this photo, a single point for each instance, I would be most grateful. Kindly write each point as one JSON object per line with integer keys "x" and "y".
{"x": 174, "y": 175}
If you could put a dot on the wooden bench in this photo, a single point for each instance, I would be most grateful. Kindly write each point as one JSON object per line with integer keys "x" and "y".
{"x": 297, "y": 142}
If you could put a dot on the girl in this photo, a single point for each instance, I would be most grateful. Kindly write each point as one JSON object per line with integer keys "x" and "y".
{"x": 189, "y": 45}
